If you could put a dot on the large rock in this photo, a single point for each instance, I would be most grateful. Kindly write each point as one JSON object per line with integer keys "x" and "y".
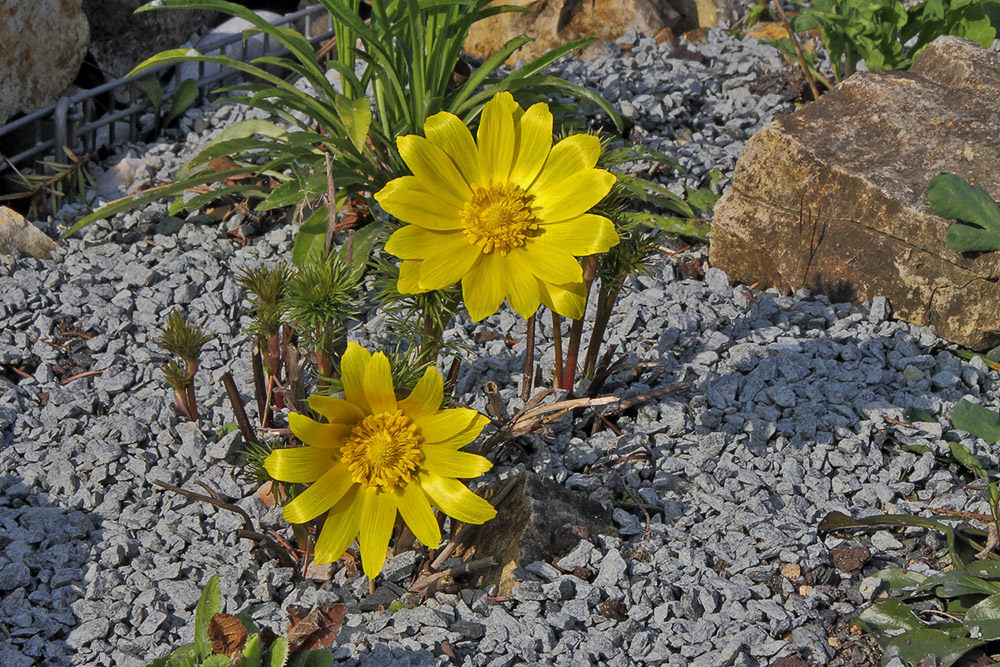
{"x": 17, "y": 235}
{"x": 832, "y": 196}
{"x": 44, "y": 42}
{"x": 555, "y": 22}
{"x": 537, "y": 520}
{"x": 121, "y": 39}
{"x": 708, "y": 13}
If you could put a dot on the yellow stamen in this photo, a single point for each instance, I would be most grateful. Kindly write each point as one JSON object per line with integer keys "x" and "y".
{"x": 383, "y": 450}
{"x": 498, "y": 217}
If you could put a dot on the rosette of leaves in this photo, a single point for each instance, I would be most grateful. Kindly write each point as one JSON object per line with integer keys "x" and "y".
{"x": 955, "y": 614}
{"x": 221, "y": 640}
{"x": 405, "y": 67}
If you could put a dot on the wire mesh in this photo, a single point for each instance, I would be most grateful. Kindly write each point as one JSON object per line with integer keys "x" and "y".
{"x": 75, "y": 123}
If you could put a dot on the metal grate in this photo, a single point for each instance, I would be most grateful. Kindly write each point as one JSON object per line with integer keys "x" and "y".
{"x": 72, "y": 122}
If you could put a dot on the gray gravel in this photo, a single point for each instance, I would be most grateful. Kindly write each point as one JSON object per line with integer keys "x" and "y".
{"x": 786, "y": 420}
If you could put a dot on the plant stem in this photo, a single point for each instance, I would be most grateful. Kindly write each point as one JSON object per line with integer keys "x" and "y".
{"x": 331, "y": 205}
{"x": 238, "y": 411}
{"x": 259, "y": 386}
{"x": 430, "y": 340}
{"x": 191, "y": 403}
{"x": 529, "y": 359}
{"x": 557, "y": 343}
{"x": 273, "y": 365}
{"x": 180, "y": 402}
{"x": 606, "y": 298}
{"x": 798, "y": 50}
{"x": 576, "y": 330}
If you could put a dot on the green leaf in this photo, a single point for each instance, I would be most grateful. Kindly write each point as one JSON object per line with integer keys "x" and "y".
{"x": 145, "y": 196}
{"x": 216, "y": 661}
{"x": 248, "y": 623}
{"x": 917, "y": 415}
{"x": 955, "y": 583}
{"x": 356, "y": 115}
{"x": 251, "y": 651}
{"x": 984, "y": 569}
{"x": 702, "y": 199}
{"x": 209, "y": 604}
{"x": 889, "y": 617}
{"x": 977, "y": 420}
{"x": 279, "y": 653}
{"x": 914, "y": 645}
{"x": 694, "y": 229}
{"x": 182, "y": 656}
{"x": 967, "y": 459}
{"x": 839, "y": 521}
{"x": 319, "y": 658}
{"x": 985, "y": 614}
{"x": 311, "y": 237}
{"x": 362, "y": 245}
{"x": 289, "y": 193}
{"x": 954, "y": 198}
{"x": 184, "y": 97}
{"x": 151, "y": 86}
{"x": 898, "y": 579}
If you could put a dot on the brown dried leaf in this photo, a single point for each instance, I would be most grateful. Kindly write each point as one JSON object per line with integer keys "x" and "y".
{"x": 227, "y": 634}
{"x": 850, "y": 559}
{"x": 315, "y": 630}
{"x": 614, "y": 609}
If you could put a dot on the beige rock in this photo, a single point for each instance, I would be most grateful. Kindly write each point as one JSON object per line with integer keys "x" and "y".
{"x": 121, "y": 39}
{"x": 832, "y": 196}
{"x": 707, "y": 13}
{"x": 19, "y": 235}
{"x": 44, "y": 42}
{"x": 555, "y": 22}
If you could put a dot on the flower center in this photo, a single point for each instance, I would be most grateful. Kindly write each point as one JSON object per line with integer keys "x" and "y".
{"x": 498, "y": 217}
{"x": 383, "y": 450}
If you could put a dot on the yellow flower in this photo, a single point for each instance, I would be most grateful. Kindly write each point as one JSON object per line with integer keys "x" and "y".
{"x": 376, "y": 456}
{"x": 506, "y": 214}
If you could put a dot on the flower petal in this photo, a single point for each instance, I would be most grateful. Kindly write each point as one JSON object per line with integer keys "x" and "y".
{"x": 520, "y": 285}
{"x": 573, "y": 196}
{"x": 447, "y": 132}
{"x": 299, "y": 464}
{"x": 466, "y": 435}
{"x": 447, "y": 462}
{"x": 452, "y": 260}
{"x": 417, "y": 513}
{"x": 406, "y": 199}
{"x": 340, "y": 528}
{"x": 482, "y": 287}
{"x": 496, "y": 139}
{"x": 585, "y": 235}
{"x": 445, "y": 424}
{"x": 534, "y": 144}
{"x": 573, "y": 154}
{"x": 552, "y": 264}
{"x": 434, "y": 170}
{"x": 454, "y": 499}
{"x": 409, "y": 278}
{"x": 413, "y": 242}
{"x": 426, "y": 397}
{"x": 311, "y": 432}
{"x": 336, "y": 410}
{"x": 378, "y": 385}
{"x": 378, "y": 516}
{"x": 321, "y": 495}
{"x": 567, "y": 300}
{"x": 352, "y": 374}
